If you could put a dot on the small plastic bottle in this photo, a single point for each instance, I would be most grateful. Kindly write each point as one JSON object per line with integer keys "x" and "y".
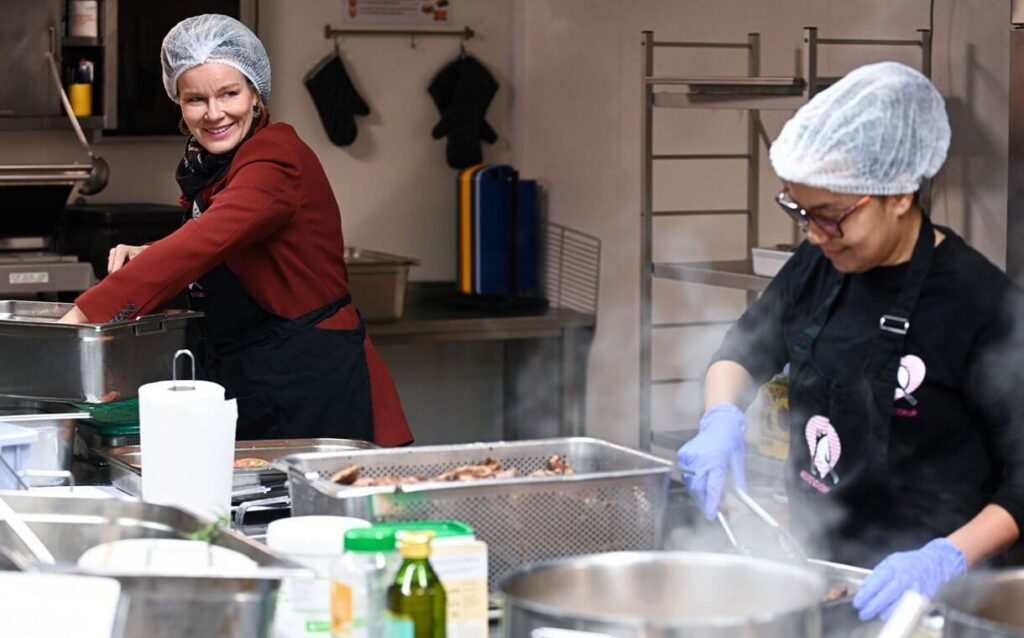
{"x": 359, "y": 582}
{"x": 417, "y": 604}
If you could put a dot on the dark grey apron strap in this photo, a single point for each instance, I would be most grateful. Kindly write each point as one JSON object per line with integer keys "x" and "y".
{"x": 895, "y": 324}
{"x": 312, "y": 318}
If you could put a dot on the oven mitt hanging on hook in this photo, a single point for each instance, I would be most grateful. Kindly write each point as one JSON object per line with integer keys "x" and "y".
{"x": 336, "y": 99}
{"x": 462, "y": 91}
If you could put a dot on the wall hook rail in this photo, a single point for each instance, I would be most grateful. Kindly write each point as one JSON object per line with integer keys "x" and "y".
{"x": 466, "y": 33}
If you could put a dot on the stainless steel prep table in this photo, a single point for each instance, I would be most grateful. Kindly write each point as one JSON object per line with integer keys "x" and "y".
{"x": 559, "y": 335}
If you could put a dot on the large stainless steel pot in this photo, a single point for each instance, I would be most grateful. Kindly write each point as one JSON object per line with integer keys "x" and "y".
{"x": 159, "y": 605}
{"x": 664, "y": 594}
{"x": 984, "y": 605}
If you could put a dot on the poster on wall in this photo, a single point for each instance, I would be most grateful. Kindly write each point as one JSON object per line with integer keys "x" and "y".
{"x": 418, "y": 12}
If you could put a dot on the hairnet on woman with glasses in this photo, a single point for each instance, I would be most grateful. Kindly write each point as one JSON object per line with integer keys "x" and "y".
{"x": 905, "y": 453}
{"x": 261, "y": 255}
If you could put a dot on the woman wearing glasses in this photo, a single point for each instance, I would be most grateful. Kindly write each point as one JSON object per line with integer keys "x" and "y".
{"x": 907, "y": 439}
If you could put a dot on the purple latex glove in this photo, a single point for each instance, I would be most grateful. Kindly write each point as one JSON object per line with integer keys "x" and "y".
{"x": 717, "y": 450}
{"x": 923, "y": 570}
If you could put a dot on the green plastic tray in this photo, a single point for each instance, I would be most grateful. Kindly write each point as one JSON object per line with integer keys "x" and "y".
{"x": 119, "y": 418}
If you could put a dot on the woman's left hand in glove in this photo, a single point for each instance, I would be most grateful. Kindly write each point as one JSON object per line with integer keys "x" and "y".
{"x": 922, "y": 570}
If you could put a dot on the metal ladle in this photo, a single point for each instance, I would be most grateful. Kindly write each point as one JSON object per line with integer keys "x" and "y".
{"x": 99, "y": 173}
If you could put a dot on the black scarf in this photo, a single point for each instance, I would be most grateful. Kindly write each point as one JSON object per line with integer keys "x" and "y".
{"x": 199, "y": 169}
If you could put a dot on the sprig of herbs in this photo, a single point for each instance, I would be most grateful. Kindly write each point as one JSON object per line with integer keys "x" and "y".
{"x": 211, "y": 531}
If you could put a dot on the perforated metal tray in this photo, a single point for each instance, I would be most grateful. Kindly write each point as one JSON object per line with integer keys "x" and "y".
{"x": 614, "y": 501}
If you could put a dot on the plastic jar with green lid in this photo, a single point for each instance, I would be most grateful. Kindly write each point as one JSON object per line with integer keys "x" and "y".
{"x": 359, "y": 581}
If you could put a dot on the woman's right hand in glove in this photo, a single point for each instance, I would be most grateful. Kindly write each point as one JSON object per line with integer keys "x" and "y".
{"x": 717, "y": 450}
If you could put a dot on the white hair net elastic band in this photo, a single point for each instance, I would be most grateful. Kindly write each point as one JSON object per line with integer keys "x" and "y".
{"x": 880, "y": 130}
{"x": 214, "y": 38}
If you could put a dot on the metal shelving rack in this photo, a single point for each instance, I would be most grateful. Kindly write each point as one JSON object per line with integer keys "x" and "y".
{"x": 751, "y": 93}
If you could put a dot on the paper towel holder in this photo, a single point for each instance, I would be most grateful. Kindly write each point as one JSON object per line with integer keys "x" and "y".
{"x": 174, "y": 371}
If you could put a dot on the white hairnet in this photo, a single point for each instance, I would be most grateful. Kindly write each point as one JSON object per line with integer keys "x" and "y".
{"x": 214, "y": 38}
{"x": 879, "y": 130}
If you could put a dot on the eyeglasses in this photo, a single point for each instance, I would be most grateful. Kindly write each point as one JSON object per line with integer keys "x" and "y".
{"x": 828, "y": 224}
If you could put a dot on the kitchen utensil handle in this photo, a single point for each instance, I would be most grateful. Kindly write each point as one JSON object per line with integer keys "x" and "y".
{"x": 55, "y": 74}
{"x": 756, "y": 508}
{"x": 728, "y": 534}
{"x": 64, "y": 474}
{"x": 906, "y": 617}
{"x": 792, "y": 546}
{"x": 243, "y": 508}
{"x": 155, "y": 327}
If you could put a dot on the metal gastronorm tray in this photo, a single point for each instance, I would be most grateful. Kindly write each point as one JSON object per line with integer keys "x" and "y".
{"x": 126, "y": 462}
{"x": 83, "y": 363}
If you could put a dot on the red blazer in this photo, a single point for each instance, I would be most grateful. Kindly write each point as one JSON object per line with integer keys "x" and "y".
{"x": 277, "y": 227}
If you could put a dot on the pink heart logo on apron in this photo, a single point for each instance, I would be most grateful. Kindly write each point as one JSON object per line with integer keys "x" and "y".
{"x": 909, "y": 377}
{"x": 823, "y": 442}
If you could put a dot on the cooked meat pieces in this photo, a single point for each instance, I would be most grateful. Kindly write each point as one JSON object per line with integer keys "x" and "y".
{"x": 487, "y": 469}
{"x": 384, "y": 480}
{"x": 836, "y": 593}
{"x": 346, "y": 476}
{"x": 558, "y": 465}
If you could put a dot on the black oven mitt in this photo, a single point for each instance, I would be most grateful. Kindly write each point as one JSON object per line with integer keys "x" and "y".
{"x": 336, "y": 99}
{"x": 462, "y": 91}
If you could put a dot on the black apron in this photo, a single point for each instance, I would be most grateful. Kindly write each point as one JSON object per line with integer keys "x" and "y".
{"x": 291, "y": 379}
{"x": 843, "y": 502}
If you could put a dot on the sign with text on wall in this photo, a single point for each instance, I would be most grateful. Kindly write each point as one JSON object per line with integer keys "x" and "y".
{"x": 418, "y": 12}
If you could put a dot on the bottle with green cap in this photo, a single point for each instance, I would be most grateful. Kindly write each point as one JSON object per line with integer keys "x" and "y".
{"x": 417, "y": 605}
{"x": 359, "y": 582}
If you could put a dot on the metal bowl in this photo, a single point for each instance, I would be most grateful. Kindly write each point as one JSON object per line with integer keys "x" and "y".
{"x": 664, "y": 594}
{"x": 985, "y": 604}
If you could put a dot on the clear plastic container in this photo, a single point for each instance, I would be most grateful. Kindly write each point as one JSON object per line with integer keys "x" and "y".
{"x": 359, "y": 583}
{"x": 303, "y": 606}
{"x": 15, "y": 443}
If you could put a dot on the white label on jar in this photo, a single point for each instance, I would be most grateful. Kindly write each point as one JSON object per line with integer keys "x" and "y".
{"x": 23, "y": 278}
{"x": 303, "y": 609}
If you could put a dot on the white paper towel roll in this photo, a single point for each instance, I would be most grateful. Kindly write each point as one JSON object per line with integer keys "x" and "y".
{"x": 188, "y": 445}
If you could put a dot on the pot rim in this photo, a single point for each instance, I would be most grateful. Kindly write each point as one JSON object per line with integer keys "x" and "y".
{"x": 971, "y": 582}
{"x": 716, "y": 622}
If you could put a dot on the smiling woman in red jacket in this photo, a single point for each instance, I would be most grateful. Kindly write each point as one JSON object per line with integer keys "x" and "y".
{"x": 261, "y": 253}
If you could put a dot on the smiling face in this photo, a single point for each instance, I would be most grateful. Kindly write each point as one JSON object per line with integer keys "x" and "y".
{"x": 217, "y": 105}
{"x": 882, "y": 232}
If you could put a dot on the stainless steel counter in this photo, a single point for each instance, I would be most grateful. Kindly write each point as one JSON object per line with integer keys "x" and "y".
{"x": 430, "y": 316}
{"x": 557, "y": 338}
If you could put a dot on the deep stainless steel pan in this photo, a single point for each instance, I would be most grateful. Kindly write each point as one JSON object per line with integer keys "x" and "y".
{"x": 85, "y": 363}
{"x": 126, "y": 462}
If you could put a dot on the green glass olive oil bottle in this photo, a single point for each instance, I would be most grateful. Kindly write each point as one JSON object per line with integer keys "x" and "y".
{"x": 416, "y": 605}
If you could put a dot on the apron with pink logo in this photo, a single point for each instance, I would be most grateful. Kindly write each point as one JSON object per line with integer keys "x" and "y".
{"x": 838, "y": 478}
